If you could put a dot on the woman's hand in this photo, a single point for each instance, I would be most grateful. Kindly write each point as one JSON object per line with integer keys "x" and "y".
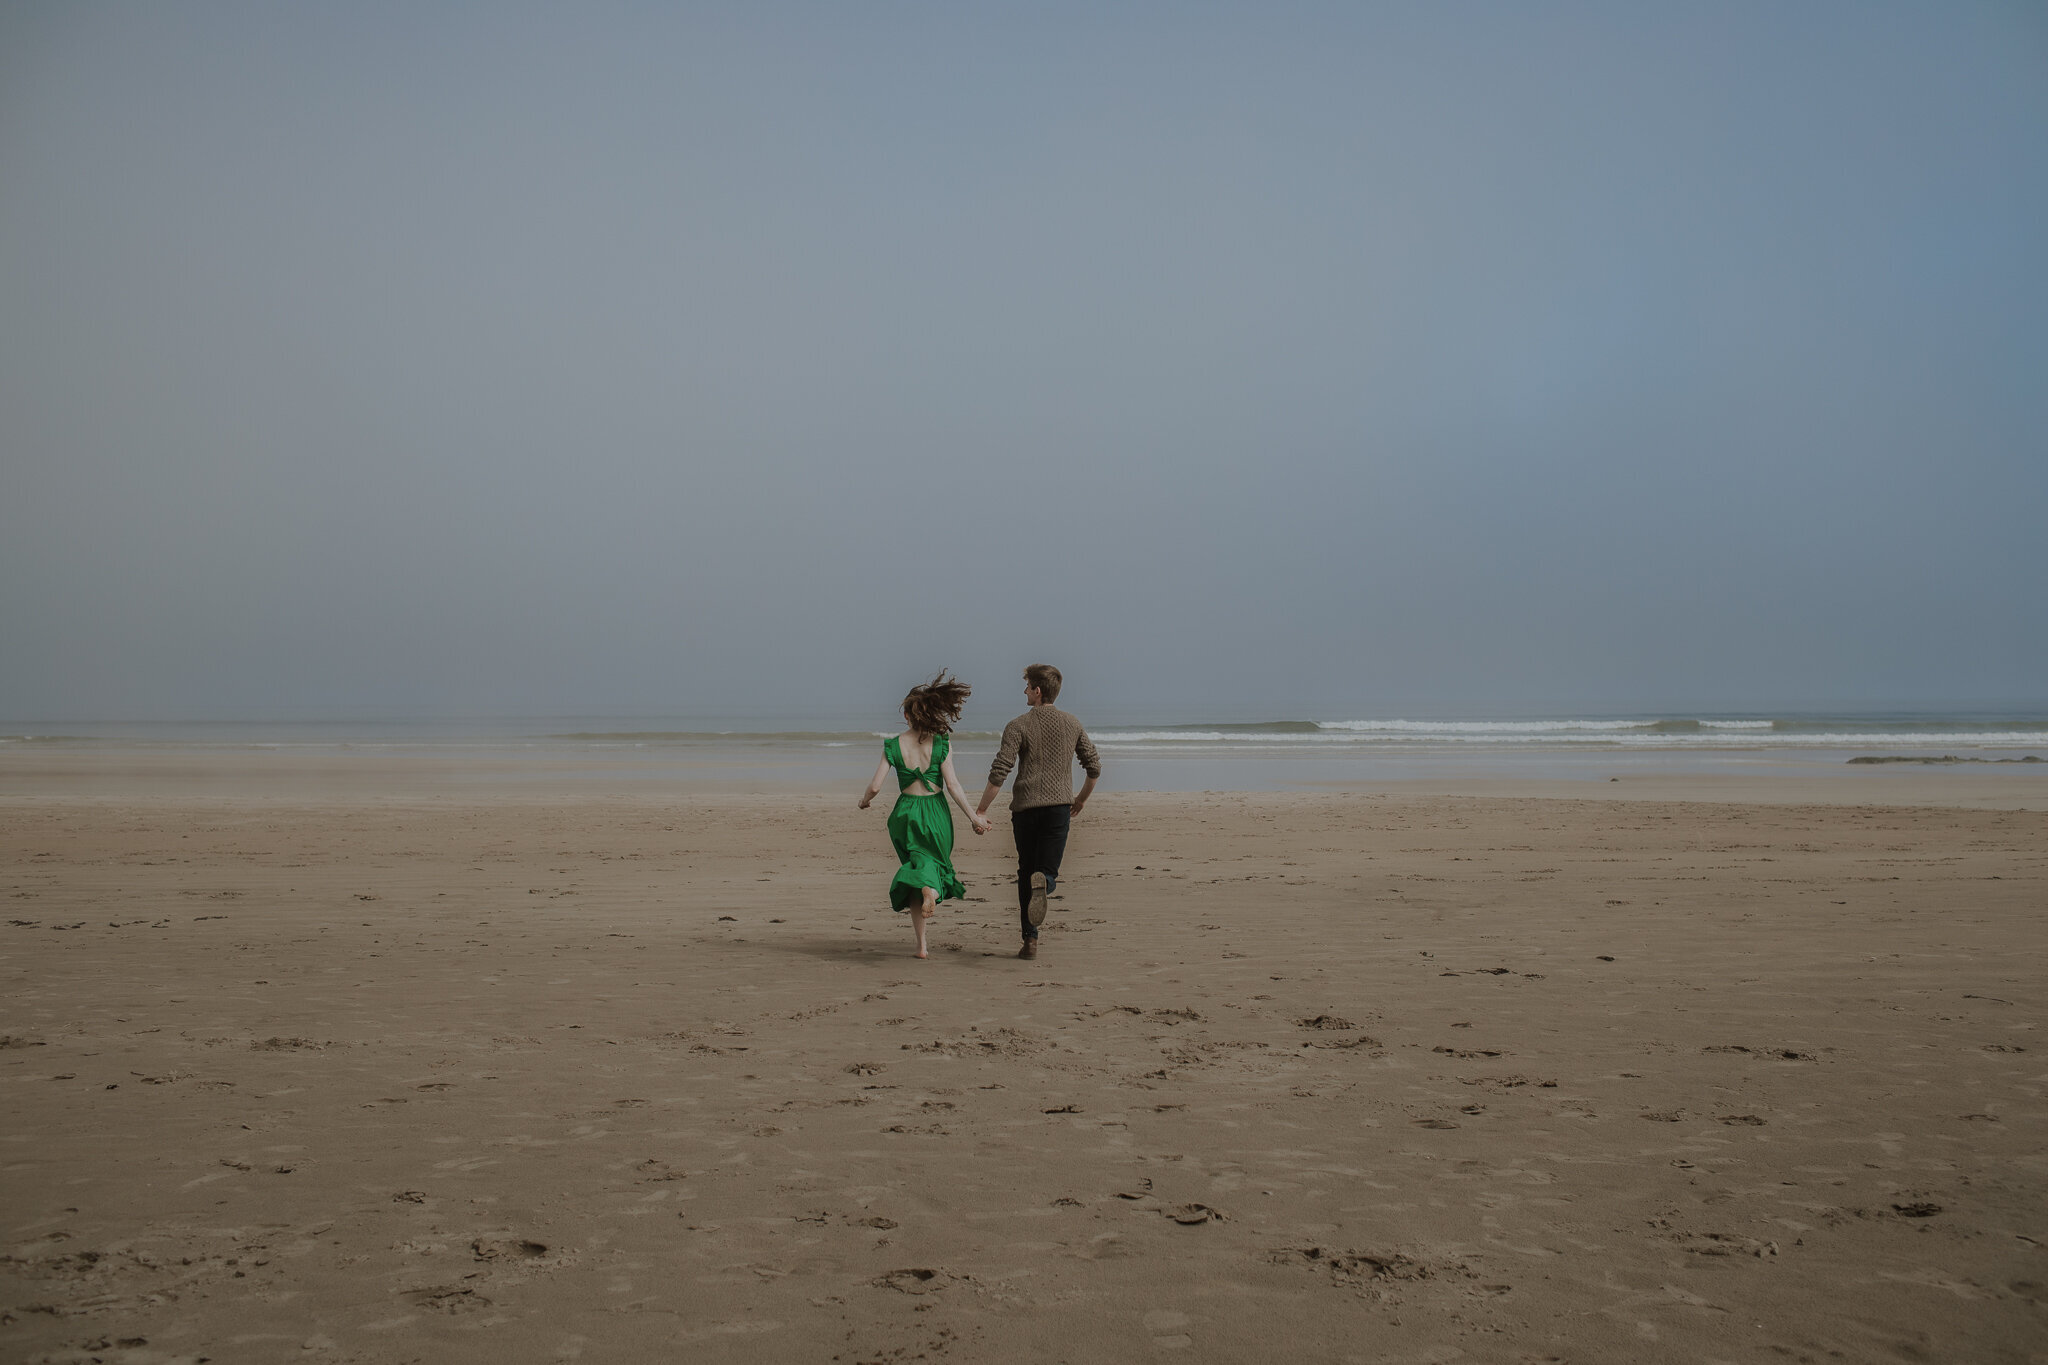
{"x": 865, "y": 798}
{"x": 982, "y": 824}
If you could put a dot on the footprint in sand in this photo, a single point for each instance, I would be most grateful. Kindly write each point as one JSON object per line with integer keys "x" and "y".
{"x": 507, "y": 1249}
{"x": 1357, "y": 1267}
{"x": 446, "y": 1298}
{"x": 288, "y": 1044}
{"x": 913, "y": 1280}
{"x": 1193, "y": 1215}
{"x": 653, "y": 1171}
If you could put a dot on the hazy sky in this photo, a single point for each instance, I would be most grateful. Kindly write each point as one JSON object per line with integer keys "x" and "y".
{"x": 1321, "y": 358}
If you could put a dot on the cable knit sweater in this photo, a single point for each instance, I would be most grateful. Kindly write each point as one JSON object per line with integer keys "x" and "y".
{"x": 1042, "y": 745}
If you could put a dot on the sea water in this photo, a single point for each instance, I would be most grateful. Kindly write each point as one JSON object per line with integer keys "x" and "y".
{"x": 1138, "y": 752}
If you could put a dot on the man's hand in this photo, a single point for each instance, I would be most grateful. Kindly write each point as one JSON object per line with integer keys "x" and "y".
{"x": 1075, "y": 809}
{"x": 982, "y": 824}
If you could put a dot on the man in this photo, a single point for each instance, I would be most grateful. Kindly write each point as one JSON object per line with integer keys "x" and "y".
{"x": 1042, "y": 745}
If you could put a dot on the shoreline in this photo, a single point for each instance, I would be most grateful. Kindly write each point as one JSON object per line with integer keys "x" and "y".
{"x": 30, "y": 776}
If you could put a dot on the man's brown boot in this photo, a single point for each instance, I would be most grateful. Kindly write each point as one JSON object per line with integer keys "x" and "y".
{"x": 1029, "y": 951}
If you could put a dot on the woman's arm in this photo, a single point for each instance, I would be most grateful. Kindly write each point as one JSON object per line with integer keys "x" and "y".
{"x": 975, "y": 818}
{"x": 875, "y": 782}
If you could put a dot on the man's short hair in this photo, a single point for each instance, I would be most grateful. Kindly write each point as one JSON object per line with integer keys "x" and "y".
{"x": 1045, "y": 678}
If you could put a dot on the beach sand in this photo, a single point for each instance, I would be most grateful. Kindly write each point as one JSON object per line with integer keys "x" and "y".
{"x": 475, "y": 1075}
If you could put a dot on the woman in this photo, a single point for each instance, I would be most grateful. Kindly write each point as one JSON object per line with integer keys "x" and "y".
{"x": 920, "y": 825}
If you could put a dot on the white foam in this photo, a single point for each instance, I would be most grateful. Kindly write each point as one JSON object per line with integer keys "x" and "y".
{"x": 1190, "y": 737}
{"x": 1396, "y": 735}
{"x": 1478, "y": 726}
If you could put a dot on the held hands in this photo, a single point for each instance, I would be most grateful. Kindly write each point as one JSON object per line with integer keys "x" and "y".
{"x": 982, "y": 824}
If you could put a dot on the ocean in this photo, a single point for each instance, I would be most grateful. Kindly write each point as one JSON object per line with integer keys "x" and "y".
{"x": 1138, "y": 753}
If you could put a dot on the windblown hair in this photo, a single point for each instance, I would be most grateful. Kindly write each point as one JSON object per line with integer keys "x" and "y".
{"x": 931, "y": 708}
{"x": 1045, "y": 678}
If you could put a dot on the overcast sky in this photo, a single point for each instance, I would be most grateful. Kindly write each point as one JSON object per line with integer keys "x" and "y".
{"x": 1317, "y": 358}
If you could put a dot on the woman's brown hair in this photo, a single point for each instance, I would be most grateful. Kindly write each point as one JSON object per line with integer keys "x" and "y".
{"x": 931, "y": 708}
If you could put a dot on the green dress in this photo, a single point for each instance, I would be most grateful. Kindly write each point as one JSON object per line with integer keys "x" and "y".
{"x": 921, "y": 828}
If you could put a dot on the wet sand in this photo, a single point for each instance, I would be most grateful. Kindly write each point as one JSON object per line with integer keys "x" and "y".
{"x": 455, "y": 1074}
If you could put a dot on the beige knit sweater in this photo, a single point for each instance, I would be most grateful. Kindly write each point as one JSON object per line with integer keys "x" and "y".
{"x": 1042, "y": 745}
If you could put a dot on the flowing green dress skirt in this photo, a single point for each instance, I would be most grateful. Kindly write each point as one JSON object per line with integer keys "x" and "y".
{"x": 921, "y": 828}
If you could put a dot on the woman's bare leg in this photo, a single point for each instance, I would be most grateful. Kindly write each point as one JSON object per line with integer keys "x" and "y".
{"x": 921, "y": 915}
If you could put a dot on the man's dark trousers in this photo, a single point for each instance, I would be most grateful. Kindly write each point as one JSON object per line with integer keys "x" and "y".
{"x": 1041, "y": 839}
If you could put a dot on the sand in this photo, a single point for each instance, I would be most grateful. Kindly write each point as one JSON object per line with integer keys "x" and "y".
{"x": 471, "y": 1075}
